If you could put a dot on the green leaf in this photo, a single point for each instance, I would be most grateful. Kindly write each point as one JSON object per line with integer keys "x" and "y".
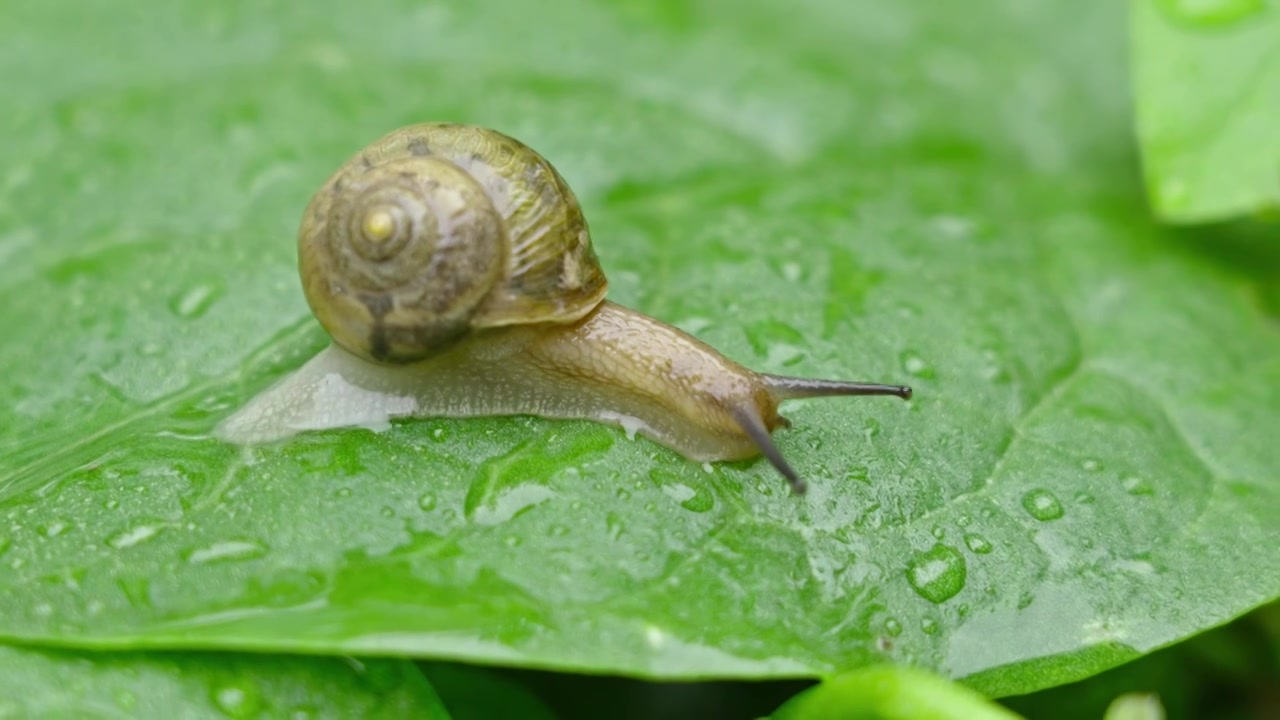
{"x": 472, "y": 693}
{"x": 890, "y": 693}
{"x": 936, "y": 194}
{"x": 64, "y": 684}
{"x": 1207, "y": 95}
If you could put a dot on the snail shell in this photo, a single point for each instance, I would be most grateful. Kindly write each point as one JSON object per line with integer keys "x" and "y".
{"x": 437, "y": 230}
{"x": 453, "y": 268}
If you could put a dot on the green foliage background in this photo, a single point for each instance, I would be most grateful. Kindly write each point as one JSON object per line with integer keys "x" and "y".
{"x": 936, "y": 193}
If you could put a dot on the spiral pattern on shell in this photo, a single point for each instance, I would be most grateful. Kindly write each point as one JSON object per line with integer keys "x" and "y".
{"x": 438, "y": 230}
{"x": 399, "y": 257}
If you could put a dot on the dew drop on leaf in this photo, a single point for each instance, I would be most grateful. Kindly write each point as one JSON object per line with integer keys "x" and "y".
{"x": 929, "y": 626}
{"x": 137, "y": 591}
{"x": 1091, "y": 465}
{"x": 1042, "y": 505}
{"x": 427, "y": 502}
{"x": 1138, "y": 486}
{"x": 976, "y": 543}
{"x": 237, "y": 701}
{"x": 614, "y": 525}
{"x": 226, "y": 551}
{"x": 196, "y": 300}
{"x": 914, "y": 365}
{"x": 559, "y": 530}
{"x": 938, "y": 573}
{"x": 54, "y": 529}
{"x": 132, "y": 536}
{"x": 892, "y": 627}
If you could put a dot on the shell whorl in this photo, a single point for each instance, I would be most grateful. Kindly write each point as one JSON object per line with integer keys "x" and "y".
{"x": 437, "y": 230}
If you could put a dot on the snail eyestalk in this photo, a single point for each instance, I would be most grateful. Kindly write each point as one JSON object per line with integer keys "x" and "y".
{"x": 753, "y": 426}
{"x": 793, "y": 388}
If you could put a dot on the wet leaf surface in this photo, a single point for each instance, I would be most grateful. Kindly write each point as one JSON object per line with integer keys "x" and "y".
{"x": 935, "y": 194}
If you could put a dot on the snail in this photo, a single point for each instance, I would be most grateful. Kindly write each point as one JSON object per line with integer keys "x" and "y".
{"x": 453, "y": 269}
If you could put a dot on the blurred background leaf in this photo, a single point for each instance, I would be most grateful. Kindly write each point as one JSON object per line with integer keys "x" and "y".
{"x": 1207, "y": 97}
{"x": 55, "y": 684}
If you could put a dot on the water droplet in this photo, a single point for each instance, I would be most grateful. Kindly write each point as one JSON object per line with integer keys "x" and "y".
{"x": 427, "y": 502}
{"x": 993, "y": 368}
{"x": 1091, "y": 465}
{"x": 937, "y": 532}
{"x": 791, "y": 271}
{"x": 559, "y": 530}
{"x": 780, "y": 344}
{"x": 387, "y": 511}
{"x": 342, "y": 492}
{"x": 892, "y": 627}
{"x": 870, "y": 428}
{"x": 976, "y": 543}
{"x": 694, "y": 498}
{"x": 955, "y": 226}
{"x": 964, "y": 520}
{"x": 938, "y": 573}
{"x": 614, "y": 526}
{"x": 137, "y": 591}
{"x": 196, "y": 300}
{"x": 126, "y": 699}
{"x": 914, "y": 365}
{"x": 55, "y": 528}
{"x": 1210, "y": 13}
{"x": 1136, "y": 566}
{"x": 237, "y": 701}
{"x": 1138, "y": 486}
{"x": 1025, "y": 600}
{"x": 512, "y": 541}
{"x": 111, "y": 504}
{"x": 929, "y": 626}
{"x": 133, "y": 536}
{"x": 1083, "y": 498}
{"x": 1043, "y": 505}
{"x": 227, "y": 550}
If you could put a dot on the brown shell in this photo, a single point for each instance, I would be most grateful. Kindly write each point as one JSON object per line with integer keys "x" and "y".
{"x": 484, "y": 233}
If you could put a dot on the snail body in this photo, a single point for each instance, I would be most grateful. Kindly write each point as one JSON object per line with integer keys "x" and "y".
{"x": 454, "y": 270}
